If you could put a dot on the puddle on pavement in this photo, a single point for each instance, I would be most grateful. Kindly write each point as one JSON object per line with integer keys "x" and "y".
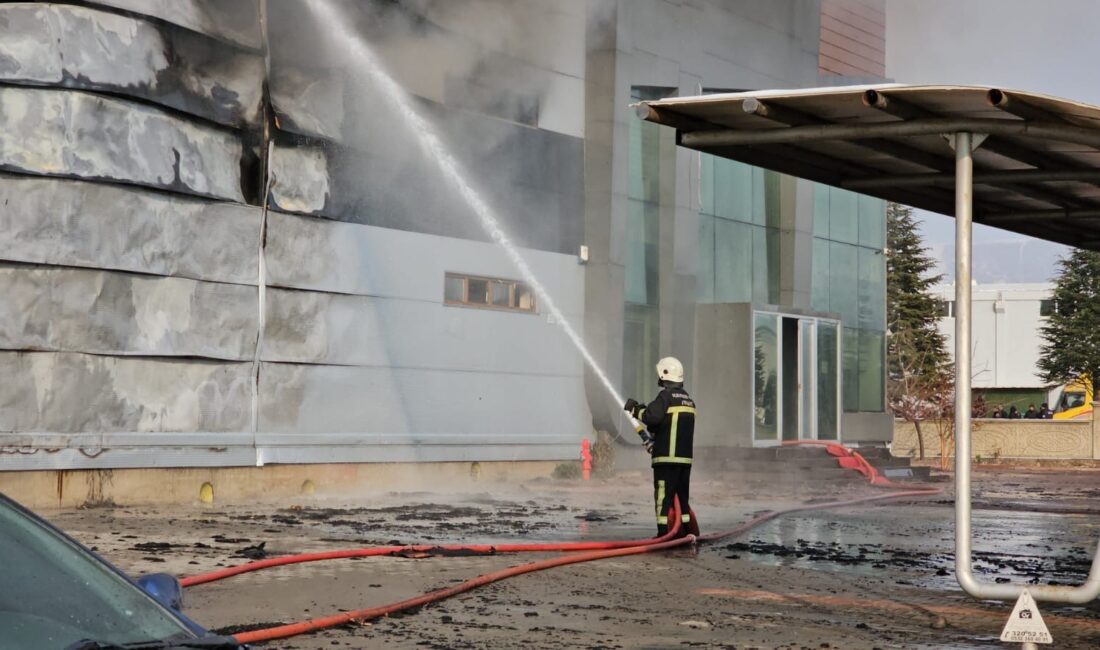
{"x": 915, "y": 545}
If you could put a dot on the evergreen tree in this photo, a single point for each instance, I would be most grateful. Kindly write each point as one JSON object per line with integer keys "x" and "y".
{"x": 1072, "y": 332}
{"x": 917, "y": 370}
{"x": 914, "y": 341}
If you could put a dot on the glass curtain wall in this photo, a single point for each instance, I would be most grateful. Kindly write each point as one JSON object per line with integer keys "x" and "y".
{"x": 827, "y": 384}
{"x": 739, "y": 217}
{"x": 641, "y": 318}
{"x": 849, "y": 279}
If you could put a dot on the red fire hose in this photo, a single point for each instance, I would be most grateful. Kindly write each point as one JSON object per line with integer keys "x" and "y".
{"x": 591, "y": 551}
{"x": 417, "y": 550}
{"x": 293, "y": 629}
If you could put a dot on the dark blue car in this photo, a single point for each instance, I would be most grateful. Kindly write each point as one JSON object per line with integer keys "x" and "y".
{"x": 55, "y": 594}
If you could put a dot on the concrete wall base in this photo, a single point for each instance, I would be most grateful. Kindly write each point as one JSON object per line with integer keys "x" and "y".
{"x": 228, "y": 485}
{"x": 993, "y": 440}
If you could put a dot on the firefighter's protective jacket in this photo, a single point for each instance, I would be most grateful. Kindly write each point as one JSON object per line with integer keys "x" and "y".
{"x": 670, "y": 418}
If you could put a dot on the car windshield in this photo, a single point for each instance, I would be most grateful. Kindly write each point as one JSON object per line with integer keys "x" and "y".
{"x": 53, "y": 593}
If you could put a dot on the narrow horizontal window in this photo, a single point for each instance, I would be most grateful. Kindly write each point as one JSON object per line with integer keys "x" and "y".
{"x": 488, "y": 293}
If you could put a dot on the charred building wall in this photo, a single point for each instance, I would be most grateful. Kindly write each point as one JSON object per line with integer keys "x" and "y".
{"x": 219, "y": 248}
{"x": 219, "y": 245}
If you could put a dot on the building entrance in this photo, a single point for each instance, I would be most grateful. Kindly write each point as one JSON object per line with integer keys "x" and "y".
{"x": 796, "y": 378}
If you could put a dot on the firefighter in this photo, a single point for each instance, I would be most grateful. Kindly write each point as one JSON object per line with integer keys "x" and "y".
{"x": 670, "y": 420}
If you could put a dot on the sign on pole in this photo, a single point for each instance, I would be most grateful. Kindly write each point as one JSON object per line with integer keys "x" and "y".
{"x": 1025, "y": 624}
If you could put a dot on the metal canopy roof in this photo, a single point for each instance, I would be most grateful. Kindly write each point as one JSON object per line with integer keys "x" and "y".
{"x": 1037, "y": 172}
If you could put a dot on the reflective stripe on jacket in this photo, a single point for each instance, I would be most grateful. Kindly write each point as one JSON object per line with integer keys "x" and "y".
{"x": 670, "y": 418}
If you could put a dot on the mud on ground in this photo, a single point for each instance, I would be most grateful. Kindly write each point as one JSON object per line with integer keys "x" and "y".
{"x": 858, "y": 577}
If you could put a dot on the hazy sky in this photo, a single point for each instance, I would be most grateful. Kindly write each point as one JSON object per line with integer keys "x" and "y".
{"x": 1048, "y": 46}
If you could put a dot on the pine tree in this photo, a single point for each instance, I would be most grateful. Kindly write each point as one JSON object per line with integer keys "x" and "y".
{"x": 1072, "y": 332}
{"x": 915, "y": 341}
{"x": 917, "y": 368}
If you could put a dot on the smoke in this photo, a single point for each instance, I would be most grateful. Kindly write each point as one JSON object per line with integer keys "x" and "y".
{"x": 486, "y": 73}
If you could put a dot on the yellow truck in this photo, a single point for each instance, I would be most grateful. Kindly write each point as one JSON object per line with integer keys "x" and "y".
{"x": 1074, "y": 400}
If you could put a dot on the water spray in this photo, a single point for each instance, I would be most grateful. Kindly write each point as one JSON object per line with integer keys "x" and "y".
{"x": 432, "y": 146}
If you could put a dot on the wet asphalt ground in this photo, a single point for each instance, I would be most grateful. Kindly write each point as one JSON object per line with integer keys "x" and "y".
{"x": 858, "y": 577}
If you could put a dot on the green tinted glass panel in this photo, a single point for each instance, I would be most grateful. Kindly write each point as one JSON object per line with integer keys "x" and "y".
{"x": 872, "y": 289}
{"x": 872, "y": 374}
{"x": 706, "y": 184}
{"x": 732, "y": 190}
{"x": 766, "y": 377}
{"x": 843, "y": 216}
{"x": 872, "y": 222}
{"x": 733, "y": 261}
{"x": 843, "y": 286}
{"x": 765, "y": 265}
{"x": 850, "y": 369}
{"x": 828, "y": 379}
{"x": 821, "y": 211}
{"x": 773, "y": 216}
{"x": 759, "y": 196}
{"x": 640, "y": 339}
{"x": 636, "y": 189}
{"x": 819, "y": 283}
{"x": 640, "y": 254}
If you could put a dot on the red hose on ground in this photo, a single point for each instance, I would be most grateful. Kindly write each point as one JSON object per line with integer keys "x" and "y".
{"x": 418, "y": 549}
{"x": 294, "y": 629}
{"x": 856, "y": 462}
{"x": 595, "y": 551}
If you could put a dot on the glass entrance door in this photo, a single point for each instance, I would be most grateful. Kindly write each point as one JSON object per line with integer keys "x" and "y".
{"x": 807, "y": 358}
{"x": 796, "y": 378}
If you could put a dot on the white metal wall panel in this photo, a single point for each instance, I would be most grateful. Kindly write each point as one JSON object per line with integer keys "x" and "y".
{"x": 304, "y": 398}
{"x": 325, "y": 328}
{"x": 368, "y": 260}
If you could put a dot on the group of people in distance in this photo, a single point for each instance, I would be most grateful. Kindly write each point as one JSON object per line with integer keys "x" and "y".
{"x": 1032, "y": 413}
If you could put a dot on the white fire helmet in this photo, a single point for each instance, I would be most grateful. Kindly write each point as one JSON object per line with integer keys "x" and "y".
{"x": 670, "y": 369}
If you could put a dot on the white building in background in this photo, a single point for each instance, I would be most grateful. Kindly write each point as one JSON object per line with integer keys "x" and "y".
{"x": 1007, "y": 319}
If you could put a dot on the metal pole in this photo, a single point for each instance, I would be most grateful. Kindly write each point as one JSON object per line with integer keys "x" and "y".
{"x": 964, "y": 185}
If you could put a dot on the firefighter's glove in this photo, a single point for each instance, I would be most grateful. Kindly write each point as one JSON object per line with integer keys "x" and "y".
{"x": 647, "y": 442}
{"x": 632, "y": 407}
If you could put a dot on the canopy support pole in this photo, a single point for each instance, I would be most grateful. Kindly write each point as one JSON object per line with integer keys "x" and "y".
{"x": 964, "y": 144}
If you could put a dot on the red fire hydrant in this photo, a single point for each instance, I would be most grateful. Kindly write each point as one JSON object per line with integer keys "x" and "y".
{"x": 586, "y": 459}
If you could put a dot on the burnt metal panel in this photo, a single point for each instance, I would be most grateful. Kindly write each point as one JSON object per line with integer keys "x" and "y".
{"x": 80, "y": 47}
{"x": 109, "y": 312}
{"x": 375, "y": 174}
{"x": 73, "y": 133}
{"x": 300, "y": 179}
{"x": 236, "y": 22}
{"x": 41, "y": 390}
{"x": 97, "y": 225}
{"x": 308, "y": 102}
{"x": 533, "y": 179}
